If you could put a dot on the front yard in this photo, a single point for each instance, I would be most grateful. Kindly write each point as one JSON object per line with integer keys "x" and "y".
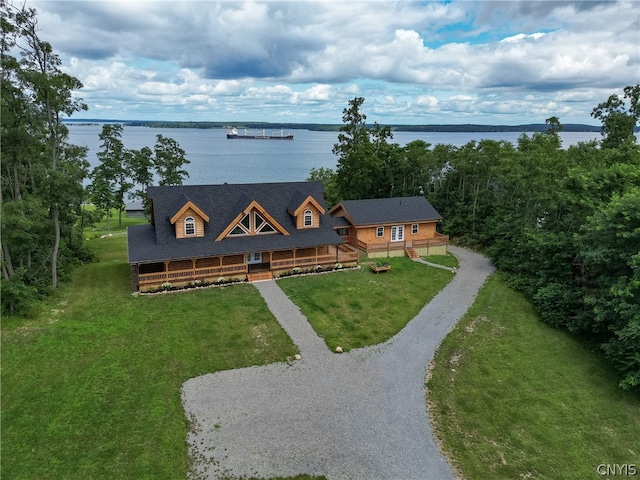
{"x": 91, "y": 383}
{"x": 356, "y": 308}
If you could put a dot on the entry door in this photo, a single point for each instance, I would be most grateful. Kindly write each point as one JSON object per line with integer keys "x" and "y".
{"x": 253, "y": 258}
{"x": 397, "y": 233}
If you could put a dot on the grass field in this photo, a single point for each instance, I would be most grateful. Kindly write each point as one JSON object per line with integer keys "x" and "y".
{"x": 357, "y": 308}
{"x": 447, "y": 260}
{"x": 91, "y": 385}
{"x": 515, "y": 399}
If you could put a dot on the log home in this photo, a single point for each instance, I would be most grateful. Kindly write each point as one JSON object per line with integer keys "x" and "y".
{"x": 237, "y": 232}
{"x": 386, "y": 227}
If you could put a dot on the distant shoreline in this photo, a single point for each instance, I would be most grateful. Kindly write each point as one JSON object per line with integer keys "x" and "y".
{"x": 450, "y": 128}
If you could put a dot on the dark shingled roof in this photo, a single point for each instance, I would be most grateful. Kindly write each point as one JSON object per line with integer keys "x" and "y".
{"x": 223, "y": 203}
{"x": 381, "y": 211}
{"x": 135, "y": 205}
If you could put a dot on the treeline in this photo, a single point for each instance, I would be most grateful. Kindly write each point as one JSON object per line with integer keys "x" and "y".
{"x": 42, "y": 174}
{"x": 124, "y": 174}
{"x": 445, "y": 128}
{"x": 562, "y": 224}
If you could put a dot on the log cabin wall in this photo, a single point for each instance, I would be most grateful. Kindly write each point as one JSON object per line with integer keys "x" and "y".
{"x": 369, "y": 234}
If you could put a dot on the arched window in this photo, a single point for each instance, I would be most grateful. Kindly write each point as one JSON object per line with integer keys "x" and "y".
{"x": 308, "y": 218}
{"x": 189, "y": 226}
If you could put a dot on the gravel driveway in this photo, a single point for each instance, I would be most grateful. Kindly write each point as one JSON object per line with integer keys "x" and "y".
{"x": 358, "y": 415}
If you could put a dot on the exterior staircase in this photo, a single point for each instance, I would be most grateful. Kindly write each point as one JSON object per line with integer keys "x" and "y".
{"x": 410, "y": 251}
{"x": 260, "y": 276}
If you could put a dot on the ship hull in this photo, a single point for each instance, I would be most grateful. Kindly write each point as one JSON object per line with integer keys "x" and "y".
{"x": 232, "y": 134}
{"x": 259, "y": 137}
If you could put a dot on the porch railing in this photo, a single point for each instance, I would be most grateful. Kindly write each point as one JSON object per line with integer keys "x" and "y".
{"x": 343, "y": 254}
{"x": 190, "y": 274}
{"x": 303, "y": 261}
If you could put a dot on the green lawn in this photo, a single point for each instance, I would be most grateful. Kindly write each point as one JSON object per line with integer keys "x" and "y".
{"x": 356, "y": 308}
{"x": 448, "y": 260}
{"x": 513, "y": 398}
{"x": 91, "y": 384}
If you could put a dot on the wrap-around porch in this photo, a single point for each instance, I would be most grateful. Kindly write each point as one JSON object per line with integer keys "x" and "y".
{"x": 240, "y": 266}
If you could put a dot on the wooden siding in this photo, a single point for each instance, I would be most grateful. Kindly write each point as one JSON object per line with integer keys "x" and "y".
{"x": 426, "y": 230}
{"x": 180, "y": 224}
{"x": 315, "y": 217}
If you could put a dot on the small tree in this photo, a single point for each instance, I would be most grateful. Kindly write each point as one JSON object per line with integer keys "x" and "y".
{"x": 102, "y": 192}
{"x": 362, "y": 170}
{"x": 141, "y": 170}
{"x": 112, "y": 175}
{"x": 169, "y": 160}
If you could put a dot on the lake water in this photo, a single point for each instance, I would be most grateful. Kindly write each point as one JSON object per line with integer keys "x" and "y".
{"x": 216, "y": 159}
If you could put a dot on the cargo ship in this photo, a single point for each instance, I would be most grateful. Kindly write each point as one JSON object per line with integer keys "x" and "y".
{"x": 233, "y": 134}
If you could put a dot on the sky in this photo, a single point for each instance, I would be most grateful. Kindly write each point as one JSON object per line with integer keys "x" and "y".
{"x": 448, "y": 62}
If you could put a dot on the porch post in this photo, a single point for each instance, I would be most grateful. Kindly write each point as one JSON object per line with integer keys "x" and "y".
{"x": 166, "y": 271}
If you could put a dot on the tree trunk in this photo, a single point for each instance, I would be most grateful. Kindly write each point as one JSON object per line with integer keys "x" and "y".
{"x": 7, "y": 265}
{"x": 56, "y": 246}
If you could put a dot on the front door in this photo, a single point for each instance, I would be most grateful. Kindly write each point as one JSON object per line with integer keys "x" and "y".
{"x": 253, "y": 258}
{"x": 397, "y": 233}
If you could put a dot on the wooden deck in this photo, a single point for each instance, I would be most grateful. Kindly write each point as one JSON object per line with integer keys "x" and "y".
{"x": 410, "y": 248}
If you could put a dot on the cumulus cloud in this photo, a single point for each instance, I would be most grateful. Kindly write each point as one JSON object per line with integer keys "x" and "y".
{"x": 507, "y": 61}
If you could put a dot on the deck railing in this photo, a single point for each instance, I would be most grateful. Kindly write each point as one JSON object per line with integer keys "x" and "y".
{"x": 387, "y": 247}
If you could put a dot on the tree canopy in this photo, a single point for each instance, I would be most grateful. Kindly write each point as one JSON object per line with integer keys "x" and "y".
{"x": 41, "y": 172}
{"x": 563, "y": 224}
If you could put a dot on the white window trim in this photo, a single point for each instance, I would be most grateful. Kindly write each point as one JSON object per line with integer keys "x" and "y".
{"x": 190, "y": 221}
{"x": 308, "y": 215}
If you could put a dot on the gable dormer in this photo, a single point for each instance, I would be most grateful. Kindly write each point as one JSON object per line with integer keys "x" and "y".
{"x": 252, "y": 220}
{"x": 306, "y": 211}
{"x": 189, "y": 221}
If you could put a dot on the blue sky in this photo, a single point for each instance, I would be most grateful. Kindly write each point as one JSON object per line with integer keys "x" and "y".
{"x": 493, "y": 62}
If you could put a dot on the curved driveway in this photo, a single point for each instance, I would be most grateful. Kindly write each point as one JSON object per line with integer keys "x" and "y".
{"x": 359, "y": 415}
